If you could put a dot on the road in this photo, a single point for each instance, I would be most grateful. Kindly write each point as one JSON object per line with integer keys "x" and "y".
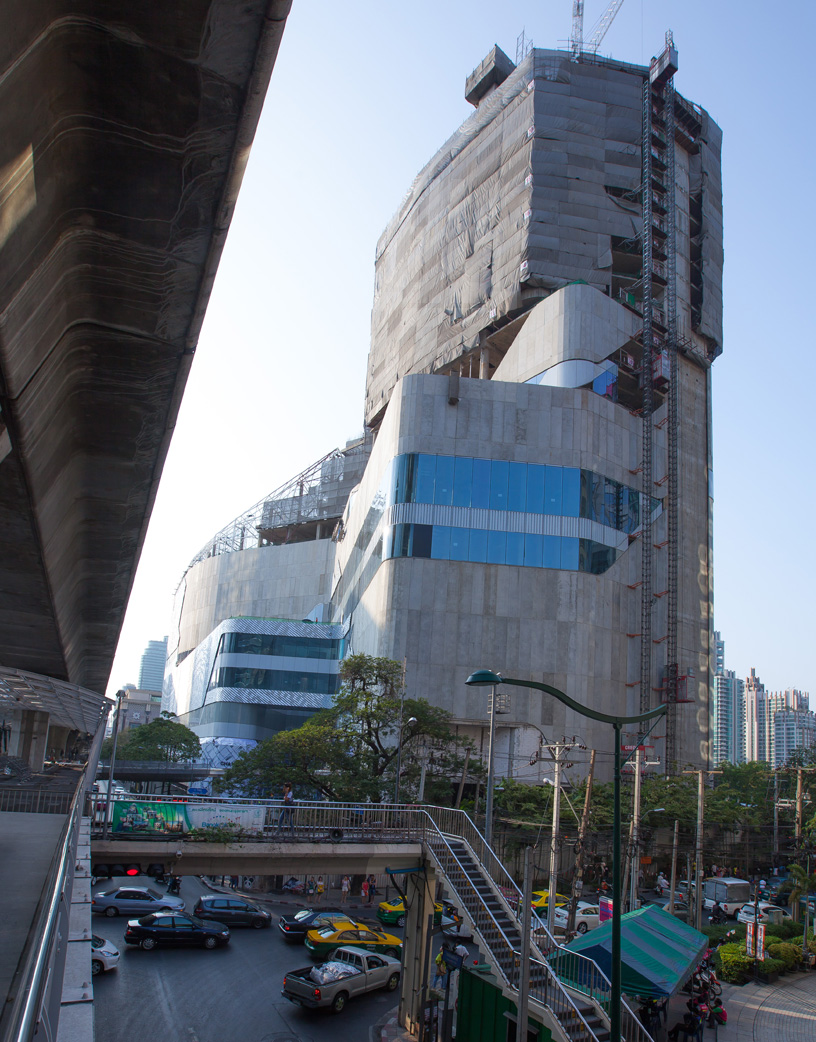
{"x": 192, "y": 995}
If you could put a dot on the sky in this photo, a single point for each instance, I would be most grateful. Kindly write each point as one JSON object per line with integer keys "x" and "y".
{"x": 361, "y": 96}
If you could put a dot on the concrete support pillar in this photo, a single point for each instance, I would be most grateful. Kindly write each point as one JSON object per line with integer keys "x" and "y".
{"x": 31, "y": 744}
{"x": 484, "y": 364}
{"x": 421, "y": 891}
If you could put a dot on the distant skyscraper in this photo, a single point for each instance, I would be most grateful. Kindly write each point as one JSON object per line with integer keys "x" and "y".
{"x": 776, "y": 722}
{"x": 727, "y": 711}
{"x": 151, "y": 674}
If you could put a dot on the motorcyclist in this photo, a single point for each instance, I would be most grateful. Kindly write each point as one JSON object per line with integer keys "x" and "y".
{"x": 718, "y": 913}
{"x": 662, "y": 882}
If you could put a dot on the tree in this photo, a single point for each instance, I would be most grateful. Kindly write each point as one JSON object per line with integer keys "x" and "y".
{"x": 162, "y": 739}
{"x": 349, "y": 752}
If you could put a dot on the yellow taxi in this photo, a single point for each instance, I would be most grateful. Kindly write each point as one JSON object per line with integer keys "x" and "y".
{"x": 323, "y": 941}
{"x": 394, "y": 912}
{"x": 541, "y": 899}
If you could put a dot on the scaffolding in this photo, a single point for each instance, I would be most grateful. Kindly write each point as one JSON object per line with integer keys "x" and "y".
{"x": 306, "y": 507}
{"x": 660, "y": 370}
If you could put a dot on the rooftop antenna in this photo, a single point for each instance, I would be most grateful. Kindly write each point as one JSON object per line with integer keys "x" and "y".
{"x": 598, "y": 32}
{"x": 523, "y": 47}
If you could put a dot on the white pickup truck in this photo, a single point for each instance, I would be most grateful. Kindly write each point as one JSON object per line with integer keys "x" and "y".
{"x": 351, "y": 971}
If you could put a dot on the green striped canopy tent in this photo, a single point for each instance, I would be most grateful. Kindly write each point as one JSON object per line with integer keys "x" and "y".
{"x": 658, "y": 953}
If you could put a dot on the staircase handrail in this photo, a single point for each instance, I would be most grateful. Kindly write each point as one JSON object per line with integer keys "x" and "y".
{"x": 556, "y": 997}
{"x": 596, "y": 985}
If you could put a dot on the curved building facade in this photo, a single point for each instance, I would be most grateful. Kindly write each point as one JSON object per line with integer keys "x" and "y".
{"x": 533, "y": 491}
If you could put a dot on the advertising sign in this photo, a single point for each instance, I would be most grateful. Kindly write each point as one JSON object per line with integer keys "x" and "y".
{"x": 604, "y": 909}
{"x": 136, "y": 817}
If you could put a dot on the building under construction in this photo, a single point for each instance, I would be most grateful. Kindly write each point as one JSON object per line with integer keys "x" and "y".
{"x": 534, "y": 486}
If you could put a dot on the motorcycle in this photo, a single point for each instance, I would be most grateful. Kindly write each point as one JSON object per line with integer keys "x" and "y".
{"x": 174, "y": 886}
{"x": 717, "y": 918}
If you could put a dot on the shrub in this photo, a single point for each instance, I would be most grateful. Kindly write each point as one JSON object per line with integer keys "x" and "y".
{"x": 225, "y": 832}
{"x": 771, "y": 966}
{"x": 734, "y": 964}
{"x": 787, "y": 930}
{"x": 719, "y": 931}
{"x": 789, "y": 954}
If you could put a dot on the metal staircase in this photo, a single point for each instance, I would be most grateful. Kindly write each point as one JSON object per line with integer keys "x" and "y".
{"x": 488, "y": 897}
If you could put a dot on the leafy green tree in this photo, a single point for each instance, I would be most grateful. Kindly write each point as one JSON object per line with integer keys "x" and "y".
{"x": 801, "y": 884}
{"x": 162, "y": 739}
{"x": 349, "y": 752}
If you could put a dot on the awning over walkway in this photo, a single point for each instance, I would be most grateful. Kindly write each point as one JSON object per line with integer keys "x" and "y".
{"x": 658, "y": 951}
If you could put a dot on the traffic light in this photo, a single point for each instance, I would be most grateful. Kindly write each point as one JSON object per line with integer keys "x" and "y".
{"x": 109, "y": 871}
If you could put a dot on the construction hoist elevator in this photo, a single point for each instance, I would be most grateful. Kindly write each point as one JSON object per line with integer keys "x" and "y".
{"x": 659, "y": 370}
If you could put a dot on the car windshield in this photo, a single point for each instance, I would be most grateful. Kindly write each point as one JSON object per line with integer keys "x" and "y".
{"x": 97, "y": 942}
{"x": 327, "y": 931}
{"x": 299, "y": 916}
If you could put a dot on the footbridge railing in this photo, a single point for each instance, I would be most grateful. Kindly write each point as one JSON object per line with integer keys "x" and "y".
{"x": 482, "y": 884}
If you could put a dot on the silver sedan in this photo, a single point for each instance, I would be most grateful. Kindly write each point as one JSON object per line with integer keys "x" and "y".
{"x": 134, "y": 900}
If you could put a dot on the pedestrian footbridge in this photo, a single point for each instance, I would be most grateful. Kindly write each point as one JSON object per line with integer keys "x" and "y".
{"x": 422, "y": 846}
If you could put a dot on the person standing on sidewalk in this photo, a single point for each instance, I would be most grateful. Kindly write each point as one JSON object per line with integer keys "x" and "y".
{"x": 321, "y": 889}
{"x": 345, "y": 886}
{"x": 364, "y": 891}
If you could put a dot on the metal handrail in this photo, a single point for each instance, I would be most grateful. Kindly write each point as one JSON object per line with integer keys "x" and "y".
{"x": 22, "y": 1020}
{"x": 396, "y": 823}
{"x": 553, "y": 994}
{"x": 593, "y": 982}
{"x": 35, "y": 801}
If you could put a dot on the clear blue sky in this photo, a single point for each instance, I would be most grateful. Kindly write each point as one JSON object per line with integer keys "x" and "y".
{"x": 361, "y": 96}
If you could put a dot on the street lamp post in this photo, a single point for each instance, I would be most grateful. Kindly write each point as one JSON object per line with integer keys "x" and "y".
{"x": 411, "y": 720}
{"x": 109, "y": 800}
{"x": 488, "y": 829}
{"x": 486, "y": 678}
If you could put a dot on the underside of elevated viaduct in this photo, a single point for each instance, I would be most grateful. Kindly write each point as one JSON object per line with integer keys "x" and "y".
{"x": 124, "y": 132}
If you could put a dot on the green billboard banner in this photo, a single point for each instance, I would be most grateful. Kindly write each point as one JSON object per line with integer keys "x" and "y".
{"x": 142, "y": 817}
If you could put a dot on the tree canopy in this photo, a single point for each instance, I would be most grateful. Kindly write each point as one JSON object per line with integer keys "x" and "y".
{"x": 350, "y": 751}
{"x": 162, "y": 739}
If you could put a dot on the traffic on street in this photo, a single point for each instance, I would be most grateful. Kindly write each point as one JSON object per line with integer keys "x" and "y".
{"x": 231, "y": 992}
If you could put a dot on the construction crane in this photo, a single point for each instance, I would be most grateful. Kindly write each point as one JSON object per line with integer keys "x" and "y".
{"x": 577, "y": 45}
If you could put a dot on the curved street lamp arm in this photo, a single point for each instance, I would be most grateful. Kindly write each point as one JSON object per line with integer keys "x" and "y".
{"x": 584, "y": 710}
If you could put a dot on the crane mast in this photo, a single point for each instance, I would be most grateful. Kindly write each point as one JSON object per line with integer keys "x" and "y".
{"x": 599, "y": 31}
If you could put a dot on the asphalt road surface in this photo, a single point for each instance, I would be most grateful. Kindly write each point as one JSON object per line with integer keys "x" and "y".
{"x": 231, "y": 994}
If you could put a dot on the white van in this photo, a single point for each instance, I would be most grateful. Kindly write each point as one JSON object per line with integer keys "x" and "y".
{"x": 732, "y": 893}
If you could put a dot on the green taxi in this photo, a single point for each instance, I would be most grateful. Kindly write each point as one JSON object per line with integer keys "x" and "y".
{"x": 394, "y": 912}
{"x": 323, "y": 941}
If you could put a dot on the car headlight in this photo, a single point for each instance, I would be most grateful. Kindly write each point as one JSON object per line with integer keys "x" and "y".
{"x": 225, "y": 933}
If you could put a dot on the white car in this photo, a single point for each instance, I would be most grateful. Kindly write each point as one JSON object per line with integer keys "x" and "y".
{"x": 104, "y": 955}
{"x": 587, "y": 917}
{"x": 768, "y": 913}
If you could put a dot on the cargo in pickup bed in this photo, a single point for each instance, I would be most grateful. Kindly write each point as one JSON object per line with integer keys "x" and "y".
{"x": 350, "y": 971}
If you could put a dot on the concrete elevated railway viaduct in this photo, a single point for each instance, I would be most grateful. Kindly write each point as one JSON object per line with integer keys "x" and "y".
{"x": 124, "y": 132}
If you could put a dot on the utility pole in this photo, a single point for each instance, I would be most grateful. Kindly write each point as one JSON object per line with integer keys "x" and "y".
{"x": 464, "y": 779}
{"x": 556, "y": 824}
{"x": 698, "y": 893}
{"x": 673, "y": 876}
{"x": 578, "y": 875}
{"x": 526, "y": 923}
{"x": 776, "y": 820}
{"x": 698, "y": 897}
{"x": 109, "y": 798}
{"x": 799, "y": 805}
{"x": 633, "y": 889}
